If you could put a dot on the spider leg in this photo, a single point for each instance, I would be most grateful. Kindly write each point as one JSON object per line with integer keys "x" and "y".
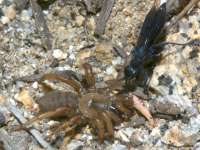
{"x": 89, "y": 76}
{"x": 101, "y": 131}
{"x": 46, "y": 88}
{"x": 109, "y": 124}
{"x": 114, "y": 117}
{"x": 120, "y": 106}
{"x": 67, "y": 125}
{"x": 57, "y": 112}
{"x": 71, "y": 82}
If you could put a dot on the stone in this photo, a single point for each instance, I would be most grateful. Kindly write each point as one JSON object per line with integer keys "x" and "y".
{"x": 10, "y": 12}
{"x": 75, "y": 145}
{"x": 58, "y": 54}
{"x": 79, "y": 20}
{"x": 5, "y": 20}
{"x": 26, "y": 15}
{"x": 128, "y": 11}
{"x": 91, "y": 24}
{"x": 183, "y": 134}
{"x": 139, "y": 137}
{"x": 174, "y": 105}
{"x": 119, "y": 147}
{"x": 35, "y": 85}
{"x": 24, "y": 97}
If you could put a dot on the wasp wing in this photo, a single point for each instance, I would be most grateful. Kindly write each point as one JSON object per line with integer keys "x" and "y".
{"x": 152, "y": 26}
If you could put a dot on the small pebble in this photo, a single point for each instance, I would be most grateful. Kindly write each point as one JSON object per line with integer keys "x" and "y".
{"x": 127, "y": 11}
{"x": 58, "y": 54}
{"x": 72, "y": 56}
{"x": 117, "y": 61}
{"x": 119, "y": 147}
{"x": 110, "y": 70}
{"x": 79, "y": 20}
{"x": 35, "y": 85}
{"x": 91, "y": 24}
{"x": 5, "y": 20}
{"x": 10, "y": 12}
{"x": 75, "y": 145}
{"x": 26, "y": 15}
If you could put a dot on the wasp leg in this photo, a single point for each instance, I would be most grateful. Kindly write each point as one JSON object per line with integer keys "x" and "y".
{"x": 146, "y": 81}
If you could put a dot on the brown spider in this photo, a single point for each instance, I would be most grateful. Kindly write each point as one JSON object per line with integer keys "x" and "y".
{"x": 85, "y": 104}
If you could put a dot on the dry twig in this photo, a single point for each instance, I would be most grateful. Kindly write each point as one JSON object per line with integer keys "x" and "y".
{"x": 103, "y": 16}
{"x": 191, "y": 4}
{"x": 41, "y": 24}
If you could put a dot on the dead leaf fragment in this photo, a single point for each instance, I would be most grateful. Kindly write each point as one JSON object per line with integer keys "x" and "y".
{"x": 25, "y": 98}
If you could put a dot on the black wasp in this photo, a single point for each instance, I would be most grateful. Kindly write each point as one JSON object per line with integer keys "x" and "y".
{"x": 147, "y": 52}
{"x": 144, "y": 56}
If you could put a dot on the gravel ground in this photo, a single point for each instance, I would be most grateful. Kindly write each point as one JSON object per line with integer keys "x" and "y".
{"x": 176, "y": 77}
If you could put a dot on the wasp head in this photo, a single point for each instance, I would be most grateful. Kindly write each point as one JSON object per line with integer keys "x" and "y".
{"x": 131, "y": 74}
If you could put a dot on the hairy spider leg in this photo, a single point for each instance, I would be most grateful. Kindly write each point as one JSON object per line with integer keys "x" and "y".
{"x": 109, "y": 124}
{"x": 120, "y": 106}
{"x": 69, "y": 125}
{"x": 53, "y": 76}
{"x": 89, "y": 76}
{"x": 101, "y": 131}
{"x": 49, "y": 114}
{"x": 114, "y": 117}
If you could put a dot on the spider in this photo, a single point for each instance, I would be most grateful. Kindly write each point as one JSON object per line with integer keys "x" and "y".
{"x": 85, "y": 104}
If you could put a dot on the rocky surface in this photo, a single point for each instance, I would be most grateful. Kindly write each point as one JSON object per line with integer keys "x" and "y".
{"x": 176, "y": 79}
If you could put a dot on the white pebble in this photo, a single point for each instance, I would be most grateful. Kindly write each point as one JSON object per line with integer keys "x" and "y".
{"x": 71, "y": 47}
{"x": 79, "y": 20}
{"x": 58, "y": 54}
{"x": 117, "y": 61}
{"x": 26, "y": 115}
{"x": 12, "y": 102}
{"x": 5, "y": 20}
{"x": 110, "y": 70}
{"x": 119, "y": 147}
{"x": 35, "y": 85}
{"x": 72, "y": 56}
{"x": 51, "y": 123}
{"x": 25, "y": 15}
{"x": 45, "y": 12}
{"x": 60, "y": 68}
